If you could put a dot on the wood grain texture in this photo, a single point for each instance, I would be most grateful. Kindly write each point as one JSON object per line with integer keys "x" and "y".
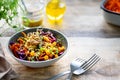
{"x": 107, "y": 69}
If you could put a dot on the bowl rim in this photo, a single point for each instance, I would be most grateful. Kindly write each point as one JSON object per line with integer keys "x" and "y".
{"x": 38, "y": 61}
{"x": 109, "y": 11}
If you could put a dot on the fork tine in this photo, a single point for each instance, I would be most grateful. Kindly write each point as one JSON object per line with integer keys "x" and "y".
{"x": 85, "y": 64}
{"x": 82, "y": 60}
{"x": 87, "y": 68}
{"x": 79, "y": 60}
{"x": 93, "y": 62}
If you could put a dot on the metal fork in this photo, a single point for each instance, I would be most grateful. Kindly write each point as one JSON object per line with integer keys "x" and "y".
{"x": 86, "y": 66}
{"x": 77, "y": 63}
{"x": 74, "y": 65}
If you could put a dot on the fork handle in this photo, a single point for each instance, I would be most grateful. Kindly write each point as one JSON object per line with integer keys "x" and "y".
{"x": 69, "y": 76}
{"x": 59, "y": 75}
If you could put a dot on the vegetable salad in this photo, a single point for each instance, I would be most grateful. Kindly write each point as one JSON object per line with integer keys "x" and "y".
{"x": 113, "y": 5}
{"x": 37, "y": 46}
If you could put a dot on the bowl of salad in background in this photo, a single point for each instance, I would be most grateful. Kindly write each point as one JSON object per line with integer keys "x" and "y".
{"x": 37, "y": 47}
{"x": 111, "y": 11}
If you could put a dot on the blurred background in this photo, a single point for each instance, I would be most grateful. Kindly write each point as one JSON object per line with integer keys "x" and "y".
{"x": 82, "y": 18}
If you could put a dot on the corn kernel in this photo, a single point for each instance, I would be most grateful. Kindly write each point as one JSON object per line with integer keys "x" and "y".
{"x": 46, "y": 38}
{"x": 54, "y": 43}
{"x": 56, "y": 55}
{"x": 46, "y": 57}
{"x": 61, "y": 48}
{"x": 47, "y": 51}
{"x": 32, "y": 53}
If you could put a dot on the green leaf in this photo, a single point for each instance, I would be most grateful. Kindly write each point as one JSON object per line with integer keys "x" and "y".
{"x": 8, "y": 9}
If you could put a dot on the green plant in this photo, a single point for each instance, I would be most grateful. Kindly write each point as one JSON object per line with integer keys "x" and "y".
{"x": 8, "y": 10}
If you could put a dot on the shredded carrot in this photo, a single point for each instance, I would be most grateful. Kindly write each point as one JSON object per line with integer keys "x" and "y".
{"x": 24, "y": 34}
{"x": 113, "y": 5}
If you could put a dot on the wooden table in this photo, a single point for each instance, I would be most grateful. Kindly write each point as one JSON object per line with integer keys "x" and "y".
{"x": 107, "y": 69}
{"x": 87, "y": 33}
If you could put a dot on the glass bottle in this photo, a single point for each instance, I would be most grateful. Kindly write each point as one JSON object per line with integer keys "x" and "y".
{"x": 55, "y": 10}
{"x": 34, "y": 12}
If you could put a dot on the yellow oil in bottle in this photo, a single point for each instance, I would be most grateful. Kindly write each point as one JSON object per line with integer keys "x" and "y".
{"x": 55, "y": 10}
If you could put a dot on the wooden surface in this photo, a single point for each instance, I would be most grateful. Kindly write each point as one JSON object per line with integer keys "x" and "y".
{"x": 107, "y": 69}
{"x": 83, "y": 18}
